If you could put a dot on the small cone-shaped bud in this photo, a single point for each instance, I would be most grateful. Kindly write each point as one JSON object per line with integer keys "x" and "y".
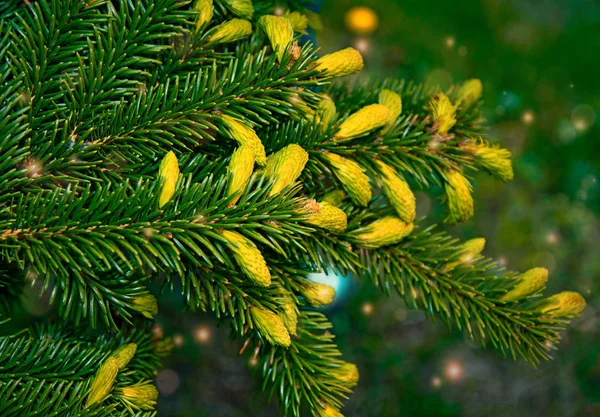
{"x": 325, "y": 111}
{"x": 141, "y": 396}
{"x": 398, "y": 193}
{"x": 347, "y": 373}
{"x": 248, "y": 257}
{"x": 326, "y": 216}
{"x": 204, "y": 8}
{"x": 241, "y": 8}
{"x": 168, "y": 173}
{"x": 528, "y": 283}
{"x": 352, "y": 176}
{"x": 298, "y": 21}
{"x": 334, "y": 197}
{"x": 385, "y": 231}
{"x": 345, "y": 62}
{"x": 443, "y": 112}
{"x": 564, "y": 304}
{"x": 163, "y": 347}
{"x": 279, "y": 31}
{"x": 302, "y": 107}
{"x": 271, "y": 326}
{"x": 469, "y": 92}
{"x": 124, "y": 354}
{"x": 245, "y": 135}
{"x": 393, "y": 102}
{"x": 230, "y": 31}
{"x": 239, "y": 170}
{"x": 147, "y": 305}
{"x": 368, "y": 118}
{"x": 316, "y": 294}
{"x": 289, "y": 315}
{"x": 460, "y": 200}
{"x": 494, "y": 159}
{"x": 103, "y": 381}
{"x": 327, "y": 411}
{"x": 469, "y": 251}
{"x": 285, "y": 166}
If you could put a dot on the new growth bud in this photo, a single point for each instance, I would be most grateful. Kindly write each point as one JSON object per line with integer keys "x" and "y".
{"x": 239, "y": 169}
{"x": 327, "y": 410}
{"x": 385, "y": 231}
{"x": 527, "y": 284}
{"x": 368, "y": 118}
{"x": 469, "y": 92}
{"x": 566, "y": 304}
{"x": 140, "y": 396}
{"x": 270, "y": 326}
{"x": 460, "y": 202}
{"x": 204, "y": 8}
{"x": 298, "y": 21}
{"x": 345, "y": 62}
{"x": 289, "y": 315}
{"x": 316, "y": 294}
{"x": 327, "y": 216}
{"x": 393, "y": 102}
{"x": 352, "y": 176}
{"x": 241, "y": 8}
{"x": 334, "y": 197}
{"x": 347, "y": 373}
{"x": 443, "y": 113}
{"x": 168, "y": 173}
{"x": 230, "y": 31}
{"x": 124, "y": 354}
{"x": 285, "y": 166}
{"x": 245, "y": 135}
{"x": 147, "y": 305}
{"x": 248, "y": 257}
{"x": 398, "y": 193}
{"x": 325, "y": 111}
{"x": 103, "y": 381}
{"x": 279, "y": 31}
{"x": 494, "y": 159}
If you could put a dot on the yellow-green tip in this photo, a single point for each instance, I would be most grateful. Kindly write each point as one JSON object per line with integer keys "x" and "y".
{"x": 317, "y": 294}
{"x": 168, "y": 173}
{"x": 124, "y": 354}
{"x": 338, "y": 64}
{"x": 141, "y": 396}
{"x": 565, "y": 304}
{"x": 103, "y": 381}
{"x": 270, "y": 326}
{"x": 527, "y": 284}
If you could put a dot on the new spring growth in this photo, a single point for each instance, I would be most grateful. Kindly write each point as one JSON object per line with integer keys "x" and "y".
{"x": 469, "y": 92}
{"x": 398, "y": 192}
{"x": 140, "y": 396}
{"x": 469, "y": 251}
{"x": 327, "y": 410}
{"x": 368, "y": 118}
{"x": 443, "y": 113}
{"x": 204, "y": 8}
{"x": 334, "y": 197}
{"x": 316, "y": 294}
{"x": 385, "y": 231}
{"x": 458, "y": 193}
{"x": 168, "y": 173}
{"x": 124, "y": 354}
{"x": 163, "y": 347}
{"x": 393, "y": 102}
{"x": 326, "y": 216}
{"x": 298, "y": 21}
{"x": 239, "y": 171}
{"x": 527, "y": 283}
{"x": 347, "y": 373}
{"x": 494, "y": 159}
{"x": 325, "y": 111}
{"x": 230, "y": 31}
{"x": 103, "y": 381}
{"x": 353, "y": 178}
{"x": 245, "y": 135}
{"x": 285, "y": 166}
{"x": 248, "y": 257}
{"x": 289, "y": 315}
{"x": 566, "y": 304}
{"x": 279, "y": 31}
{"x": 147, "y": 305}
{"x": 241, "y": 8}
{"x": 345, "y": 62}
{"x": 270, "y": 326}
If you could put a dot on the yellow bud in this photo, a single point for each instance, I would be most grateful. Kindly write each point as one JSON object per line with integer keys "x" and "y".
{"x": 289, "y": 315}
{"x": 347, "y": 373}
{"x": 393, "y": 102}
{"x": 124, "y": 354}
{"x": 460, "y": 201}
{"x": 340, "y": 63}
{"x": 398, "y": 193}
{"x": 204, "y": 8}
{"x": 325, "y": 111}
{"x": 279, "y": 31}
{"x": 328, "y": 410}
{"x": 385, "y": 231}
{"x": 239, "y": 170}
{"x": 352, "y": 176}
{"x": 245, "y": 135}
{"x": 298, "y": 21}
{"x": 270, "y": 326}
{"x": 316, "y": 294}
{"x": 140, "y": 396}
{"x": 241, "y": 8}
{"x": 368, "y": 118}
{"x": 469, "y": 251}
{"x": 147, "y": 305}
{"x": 285, "y": 166}
{"x": 103, "y": 381}
{"x": 168, "y": 173}
{"x": 565, "y": 304}
{"x": 326, "y": 216}
{"x": 163, "y": 347}
{"x": 527, "y": 283}
{"x": 334, "y": 197}
{"x": 248, "y": 257}
{"x": 443, "y": 113}
{"x": 494, "y": 159}
{"x": 230, "y": 31}
{"x": 469, "y": 92}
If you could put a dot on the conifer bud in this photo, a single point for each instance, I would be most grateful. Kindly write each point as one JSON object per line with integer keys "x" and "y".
{"x": 527, "y": 283}
{"x": 469, "y": 92}
{"x": 460, "y": 201}
{"x": 168, "y": 173}
{"x": 285, "y": 166}
{"x": 443, "y": 112}
{"x": 325, "y": 111}
{"x": 147, "y": 305}
{"x": 271, "y": 326}
{"x": 204, "y": 8}
{"x": 245, "y": 135}
{"x": 368, "y": 118}
{"x": 103, "y": 381}
{"x": 289, "y": 315}
{"x": 347, "y": 373}
{"x": 334, "y": 197}
{"x": 565, "y": 304}
{"x": 242, "y": 8}
{"x": 468, "y": 251}
{"x": 326, "y": 216}
{"x": 230, "y": 31}
{"x": 248, "y": 257}
{"x": 298, "y": 21}
{"x": 279, "y": 31}
{"x": 239, "y": 170}
{"x": 328, "y": 410}
{"x": 124, "y": 354}
{"x": 316, "y": 294}
{"x": 494, "y": 159}
{"x": 398, "y": 193}
{"x": 385, "y": 231}
{"x": 393, "y": 102}
{"x": 141, "y": 396}
{"x": 352, "y": 176}
{"x": 340, "y": 63}
{"x": 163, "y": 347}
